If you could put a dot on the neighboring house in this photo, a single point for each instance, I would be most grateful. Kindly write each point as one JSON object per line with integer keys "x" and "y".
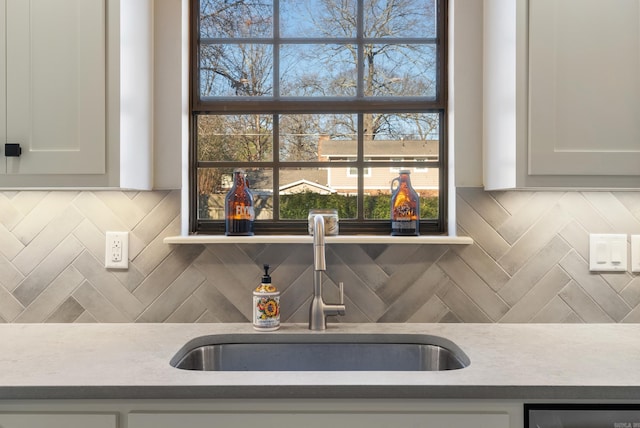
{"x": 342, "y": 179}
{"x": 378, "y": 180}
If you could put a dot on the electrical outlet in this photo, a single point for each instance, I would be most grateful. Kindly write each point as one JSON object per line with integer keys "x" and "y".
{"x": 635, "y": 253}
{"x": 116, "y": 255}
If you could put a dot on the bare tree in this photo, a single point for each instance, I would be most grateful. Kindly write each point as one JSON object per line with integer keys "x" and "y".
{"x": 231, "y": 67}
{"x": 299, "y": 143}
{"x": 390, "y": 68}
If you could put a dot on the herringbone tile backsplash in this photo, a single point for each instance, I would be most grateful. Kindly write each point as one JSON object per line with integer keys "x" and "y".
{"x": 528, "y": 264}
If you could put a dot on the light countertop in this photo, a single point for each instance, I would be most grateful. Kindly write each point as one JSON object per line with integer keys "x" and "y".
{"x": 523, "y": 361}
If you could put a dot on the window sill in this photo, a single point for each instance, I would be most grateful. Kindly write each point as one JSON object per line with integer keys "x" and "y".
{"x": 306, "y": 239}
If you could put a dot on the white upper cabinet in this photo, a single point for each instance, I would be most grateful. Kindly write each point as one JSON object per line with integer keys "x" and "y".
{"x": 562, "y": 93}
{"x": 57, "y": 420}
{"x": 584, "y": 81}
{"x": 95, "y": 92}
{"x": 3, "y": 88}
{"x": 54, "y": 99}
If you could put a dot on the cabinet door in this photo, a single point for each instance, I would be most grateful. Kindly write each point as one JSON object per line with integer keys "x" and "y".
{"x": 56, "y": 420}
{"x": 584, "y": 87}
{"x": 3, "y": 87}
{"x": 319, "y": 420}
{"x": 55, "y": 86}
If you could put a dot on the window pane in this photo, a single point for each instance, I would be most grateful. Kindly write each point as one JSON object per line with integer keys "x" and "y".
{"x": 303, "y": 189}
{"x": 224, "y": 19}
{"x": 344, "y": 179}
{"x": 317, "y": 18}
{"x": 306, "y": 137}
{"x": 215, "y": 183}
{"x": 318, "y": 70}
{"x": 408, "y": 18}
{"x": 400, "y": 70}
{"x": 402, "y": 137}
{"x": 261, "y": 184}
{"x": 228, "y": 70}
{"x": 377, "y": 188}
{"x": 243, "y": 138}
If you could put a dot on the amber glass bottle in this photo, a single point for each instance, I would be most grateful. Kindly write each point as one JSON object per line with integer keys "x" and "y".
{"x": 238, "y": 205}
{"x": 405, "y": 206}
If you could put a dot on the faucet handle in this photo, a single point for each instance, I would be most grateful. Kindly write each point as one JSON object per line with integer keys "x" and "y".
{"x": 341, "y": 285}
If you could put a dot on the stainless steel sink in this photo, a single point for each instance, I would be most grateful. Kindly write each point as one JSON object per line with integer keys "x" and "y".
{"x": 325, "y": 352}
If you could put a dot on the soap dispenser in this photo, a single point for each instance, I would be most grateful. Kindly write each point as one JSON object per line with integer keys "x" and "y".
{"x": 266, "y": 304}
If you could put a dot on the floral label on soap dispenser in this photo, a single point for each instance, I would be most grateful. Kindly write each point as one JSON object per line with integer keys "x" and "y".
{"x": 266, "y": 308}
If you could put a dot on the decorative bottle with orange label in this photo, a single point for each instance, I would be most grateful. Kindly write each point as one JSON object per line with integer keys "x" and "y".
{"x": 238, "y": 205}
{"x": 405, "y": 206}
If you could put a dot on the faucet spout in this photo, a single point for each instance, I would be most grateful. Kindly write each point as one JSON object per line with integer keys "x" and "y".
{"x": 319, "y": 258}
{"x": 319, "y": 310}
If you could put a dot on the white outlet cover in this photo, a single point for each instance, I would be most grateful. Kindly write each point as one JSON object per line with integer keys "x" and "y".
{"x": 608, "y": 252}
{"x": 121, "y": 241}
{"x": 635, "y": 253}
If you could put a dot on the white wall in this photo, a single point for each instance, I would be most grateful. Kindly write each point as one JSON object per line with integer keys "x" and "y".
{"x": 465, "y": 97}
{"x": 136, "y": 94}
{"x": 168, "y": 92}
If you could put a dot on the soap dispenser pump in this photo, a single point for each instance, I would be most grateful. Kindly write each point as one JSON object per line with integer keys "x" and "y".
{"x": 266, "y": 304}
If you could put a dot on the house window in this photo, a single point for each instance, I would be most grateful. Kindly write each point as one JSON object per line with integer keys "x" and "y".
{"x": 353, "y": 172}
{"x": 296, "y": 92}
{"x": 421, "y": 168}
{"x": 397, "y": 165}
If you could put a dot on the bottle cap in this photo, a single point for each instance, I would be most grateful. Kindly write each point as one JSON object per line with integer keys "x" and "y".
{"x": 266, "y": 286}
{"x": 266, "y": 279}
{"x": 404, "y": 171}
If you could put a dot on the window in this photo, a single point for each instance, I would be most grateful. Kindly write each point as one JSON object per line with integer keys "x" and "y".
{"x": 353, "y": 172}
{"x": 397, "y": 162}
{"x": 320, "y": 102}
{"x": 423, "y": 160}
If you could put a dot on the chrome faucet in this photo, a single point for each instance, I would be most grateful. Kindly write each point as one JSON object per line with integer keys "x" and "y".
{"x": 319, "y": 310}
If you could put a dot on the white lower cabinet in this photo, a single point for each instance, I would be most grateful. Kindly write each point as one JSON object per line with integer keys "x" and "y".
{"x": 320, "y": 420}
{"x": 58, "y": 420}
{"x": 267, "y": 413}
{"x": 322, "y": 413}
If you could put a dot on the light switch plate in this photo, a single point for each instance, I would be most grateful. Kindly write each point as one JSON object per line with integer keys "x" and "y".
{"x": 607, "y": 252}
{"x": 635, "y": 253}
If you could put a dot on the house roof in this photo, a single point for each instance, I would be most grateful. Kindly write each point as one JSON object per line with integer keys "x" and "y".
{"x": 379, "y": 148}
{"x": 305, "y": 185}
{"x": 312, "y": 175}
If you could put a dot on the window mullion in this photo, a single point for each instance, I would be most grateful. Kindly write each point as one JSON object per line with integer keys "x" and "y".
{"x": 275, "y": 200}
{"x": 360, "y": 52}
{"x": 276, "y": 48}
{"x": 360, "y": 166}
{"x": 360, "y": 94}
{"x": 275, "y": 138}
